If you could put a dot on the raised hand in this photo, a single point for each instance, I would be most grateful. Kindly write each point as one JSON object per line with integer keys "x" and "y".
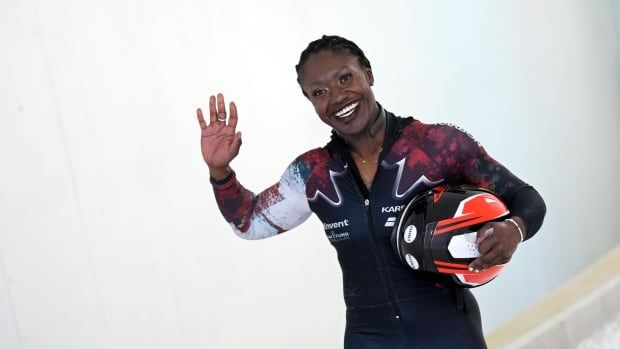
{"x": 219, "y": 140}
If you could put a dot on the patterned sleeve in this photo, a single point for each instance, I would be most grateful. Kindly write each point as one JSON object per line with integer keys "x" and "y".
{"x": 275, "y": 210}
{"x": 480, "y": 169}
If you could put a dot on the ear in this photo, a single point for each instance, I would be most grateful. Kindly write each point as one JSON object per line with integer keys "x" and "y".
{"x": 369, "y": 77}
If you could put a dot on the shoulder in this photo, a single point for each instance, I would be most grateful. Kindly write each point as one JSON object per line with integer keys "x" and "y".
{"x": 312, "y": 157}
{"x": 308, "y": 162}
{"x": 440, "y": 134}
{"x": 456, "y": 130}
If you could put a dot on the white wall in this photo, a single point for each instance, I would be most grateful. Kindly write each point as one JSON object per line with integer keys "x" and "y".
{"x": 109, "y": 233}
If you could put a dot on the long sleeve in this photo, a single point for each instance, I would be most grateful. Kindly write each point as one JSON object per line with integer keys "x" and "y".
{"x": 277, "y": 209}
{"x": 479, "y": 168}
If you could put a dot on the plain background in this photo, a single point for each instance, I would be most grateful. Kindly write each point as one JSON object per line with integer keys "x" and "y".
{"x": 109, "y": 232}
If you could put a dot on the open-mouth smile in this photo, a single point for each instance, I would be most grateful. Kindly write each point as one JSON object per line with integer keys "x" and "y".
{"x": 347, "y": 110}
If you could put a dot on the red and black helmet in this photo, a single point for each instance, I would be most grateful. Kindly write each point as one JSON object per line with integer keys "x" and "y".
{"x": 436, "y": 232}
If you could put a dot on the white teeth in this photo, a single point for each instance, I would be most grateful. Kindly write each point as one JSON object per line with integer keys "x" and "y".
{"x": 346, "y": 111}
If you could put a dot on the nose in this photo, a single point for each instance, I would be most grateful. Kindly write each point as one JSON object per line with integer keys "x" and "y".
{"x": 337, "y": 95}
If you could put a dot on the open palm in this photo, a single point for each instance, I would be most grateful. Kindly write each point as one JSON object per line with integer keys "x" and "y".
{"x": 219, "y": 140}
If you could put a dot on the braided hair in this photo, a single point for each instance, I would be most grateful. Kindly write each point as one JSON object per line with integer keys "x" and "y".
{"x": 333, "y": 43}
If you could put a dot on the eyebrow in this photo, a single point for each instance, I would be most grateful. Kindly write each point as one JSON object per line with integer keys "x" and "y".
{"x": 331, "y": 75}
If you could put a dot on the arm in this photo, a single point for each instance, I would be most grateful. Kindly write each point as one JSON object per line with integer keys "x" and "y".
{"x": 277, "y": 209}
{"x": 498, "y": 240}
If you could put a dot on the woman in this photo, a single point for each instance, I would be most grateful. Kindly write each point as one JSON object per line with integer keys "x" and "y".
{"x": 374, "y": 164}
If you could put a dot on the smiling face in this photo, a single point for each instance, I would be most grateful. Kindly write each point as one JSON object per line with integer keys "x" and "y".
{"x": 339, "y": 88}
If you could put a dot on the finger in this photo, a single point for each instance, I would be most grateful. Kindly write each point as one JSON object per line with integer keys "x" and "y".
{"x": 221, "y": 108}
{"x": 489, "y": 259}
{"x": 481, "y": 262}
{"x": 235, "y": 144}
{"x": 201, "y": 119}
{"x": 484, "y": 232}
{"x": 488, "y": 243}
{"x": 232, "y": 120}
{"x": 485, "y": 247}
{"x": 212, "y": 110}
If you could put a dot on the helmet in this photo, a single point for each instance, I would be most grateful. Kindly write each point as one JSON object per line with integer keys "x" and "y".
{"x": 436, "y": 233}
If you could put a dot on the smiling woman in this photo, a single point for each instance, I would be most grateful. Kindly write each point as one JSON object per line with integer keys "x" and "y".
{"x": 340, "y": 91}
{"x": 375, "y": 163}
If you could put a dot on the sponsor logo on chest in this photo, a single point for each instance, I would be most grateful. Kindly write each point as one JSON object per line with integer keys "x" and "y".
{"x": 335, "y": 225}
{"x": 334, "y": 232}
{"x": 391, "y": 220}
{"x": 333, "y": 236}
{"x": 392, "y": 209}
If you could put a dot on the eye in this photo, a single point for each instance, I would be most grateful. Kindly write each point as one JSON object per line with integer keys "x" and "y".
{"x": 319, "y": 92}
{"x": 346, "y": 78}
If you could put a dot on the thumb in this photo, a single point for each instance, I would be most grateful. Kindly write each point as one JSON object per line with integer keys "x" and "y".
{"x": 486, "y": 231}
{"x": 236, "y": 143}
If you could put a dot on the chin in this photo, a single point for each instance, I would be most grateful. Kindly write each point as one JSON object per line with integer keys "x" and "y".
{"x": 352, "y": 131}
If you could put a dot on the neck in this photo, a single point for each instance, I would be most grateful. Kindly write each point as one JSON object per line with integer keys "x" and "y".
{"x": 367, "y": 146}
{"x": 370, "y": 142}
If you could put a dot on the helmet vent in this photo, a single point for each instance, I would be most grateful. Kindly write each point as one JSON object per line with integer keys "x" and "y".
{"x": 410, "y": 233}
{"x": 413, "y": 263}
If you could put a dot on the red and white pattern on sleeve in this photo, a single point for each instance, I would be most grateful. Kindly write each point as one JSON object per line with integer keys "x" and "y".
{"x": 275, "y": 210}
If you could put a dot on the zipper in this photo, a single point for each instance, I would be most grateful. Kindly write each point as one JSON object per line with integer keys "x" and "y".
{"x": 380, "y": 256}
{"x": 378, "y": 251}
{"x": 376, "y": 244}
{"x": 384, "y": 270}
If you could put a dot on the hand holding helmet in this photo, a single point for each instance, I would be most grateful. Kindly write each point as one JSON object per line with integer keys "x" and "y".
{"x": 497, "y": 242}
{"x": 458, "y": 233}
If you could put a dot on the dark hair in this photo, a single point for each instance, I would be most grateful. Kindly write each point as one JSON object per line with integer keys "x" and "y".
{"x": 333, "y": 43}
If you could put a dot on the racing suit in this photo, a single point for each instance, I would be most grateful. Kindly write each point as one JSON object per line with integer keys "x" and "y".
{"x": 388, "y": 305}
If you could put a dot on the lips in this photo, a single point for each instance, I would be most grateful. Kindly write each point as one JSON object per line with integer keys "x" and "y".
{"x": 347, "y": 110}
